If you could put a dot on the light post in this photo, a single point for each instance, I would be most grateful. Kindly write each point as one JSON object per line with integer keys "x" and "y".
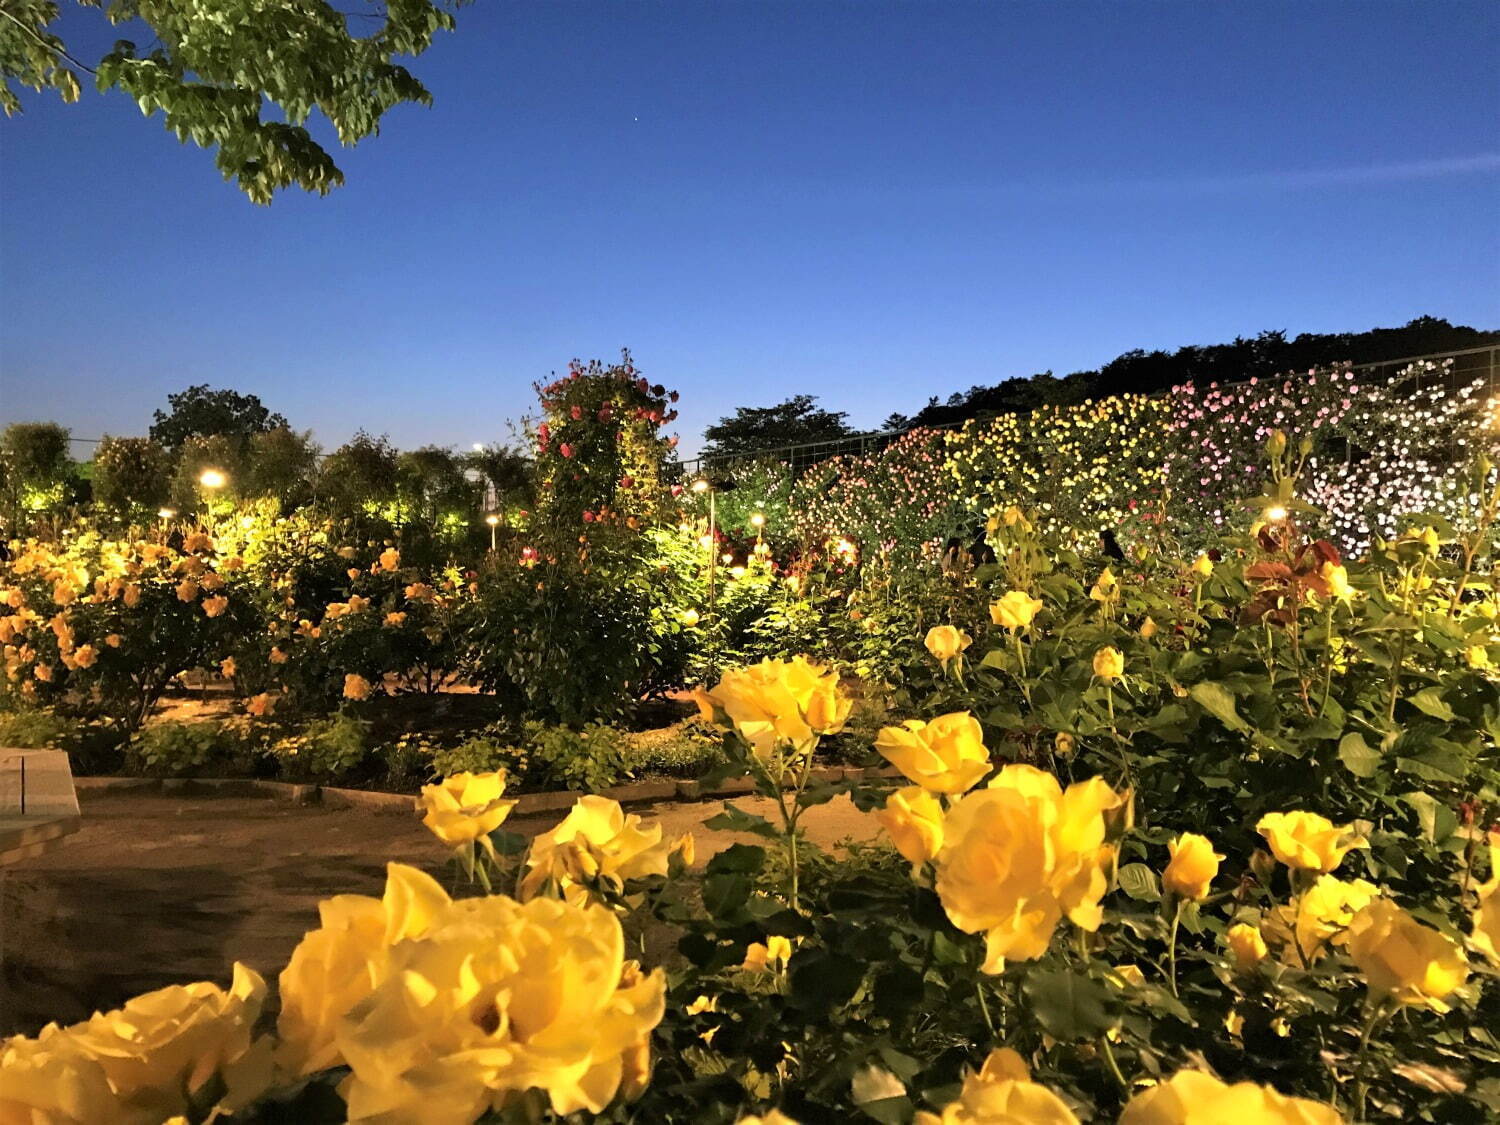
{"x": 211, "y": 480}
{"x": 494, "y": 521}
{"x": 713, "y": 488}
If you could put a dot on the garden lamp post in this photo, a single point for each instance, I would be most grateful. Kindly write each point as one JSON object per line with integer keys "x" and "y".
{"x": 713, "y": 488}
{"x": 211, "y": 480}
{"x": 494, "y": 521}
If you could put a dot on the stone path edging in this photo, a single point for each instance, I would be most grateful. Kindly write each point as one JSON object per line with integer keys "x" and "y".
{"x": 528, "y": 804}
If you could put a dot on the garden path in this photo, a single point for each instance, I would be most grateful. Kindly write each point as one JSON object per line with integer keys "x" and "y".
{"x": 156, "y": 890}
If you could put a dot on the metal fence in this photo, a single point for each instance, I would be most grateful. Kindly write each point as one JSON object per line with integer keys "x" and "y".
{"x": 1468, "y": 364}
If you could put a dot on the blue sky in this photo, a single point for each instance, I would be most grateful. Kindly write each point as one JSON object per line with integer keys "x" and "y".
{"x": 867, "y": 201}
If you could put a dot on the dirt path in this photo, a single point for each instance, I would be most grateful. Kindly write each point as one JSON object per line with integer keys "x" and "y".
{"x": 156, "y": 890}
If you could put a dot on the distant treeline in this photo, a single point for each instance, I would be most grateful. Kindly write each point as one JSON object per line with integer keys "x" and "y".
{"x": 1143, "y": 372}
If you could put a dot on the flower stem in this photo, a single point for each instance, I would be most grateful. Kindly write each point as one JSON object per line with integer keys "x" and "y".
{"x": 1172, "y": 947}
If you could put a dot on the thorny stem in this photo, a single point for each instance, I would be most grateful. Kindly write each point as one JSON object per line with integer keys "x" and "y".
{"x": 1172, "y": 948}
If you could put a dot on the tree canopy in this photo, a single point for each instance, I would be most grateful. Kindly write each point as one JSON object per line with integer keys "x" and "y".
{"x": 201, "y": 412}
{"x": 797, "y": 421}
{"x": 239, "y": 76}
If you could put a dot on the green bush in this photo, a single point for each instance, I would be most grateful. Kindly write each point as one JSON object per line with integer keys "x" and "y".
{"x": 690, "y": 751}
{"x": 325, "y": 750}
{"x": 37, "y": 730}
{"x": 480, "y": 754}
{"x": 560, "y": 757}
{"x": 175, "y": 749}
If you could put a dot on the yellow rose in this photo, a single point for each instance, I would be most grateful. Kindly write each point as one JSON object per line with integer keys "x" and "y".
{"x": 1020, "y": 855}
{"x": 173, "y": 1042}
{"x": 48, "y": 1081}
{"x": 775, "y": 952}
{"x": 336, "y": 967}
{"x": 464, "y": 808}
{"x": 1109, "y": 663}
{"x": 390, "y": 559}
{"x": 597, "y": 842}
{"x": 1338, "y": 581}
{"x": 132, "y": 595}
{"x": 1477, "y": 656}
{"x": 278, "y": 656}
{"x": 1318, "y": 917}
{"x": 496, "y": 998}
{"x": 1307, "y": 841}
{"x": 1403, "y": 959}
{"x": 85, "y": 656}
{"x": 1002, "y": 1091}
{"x": 770, "y": 1117}
{"x": 1192, "y": 868}
{"x": 1064, "y": 743}
{"x": 1203, "y": 566}
{"x": 215, "y": 605}
{"x": 395, "y": 620}
{"x": 1192, "y": 1096}
{"x": 356, "y": 686}
{"x": 777, "y": 705}
{"x": 914, "y": 819}
{"x": 945, "y": 642}
{"x": 1148, "y": 629}
{"x": 1487, "y": 916}
{"x": 187, "y": 590}
{"x": 946, "y": 755}
{"x": 1248, "y": 947}
{"x": 689, "y": 618}
{"x": 1015, "y": 610}
{"x": 1106, "y": 589}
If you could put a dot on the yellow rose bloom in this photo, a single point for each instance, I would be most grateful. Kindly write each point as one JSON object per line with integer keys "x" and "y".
{"x": 215, "y": 605}
{"x": 1320, "y": 916}
{"x": 1191, "y": 1097}
{"x": 1203, "y": 566}
{"x": 1307, "y": 841}
{"x": 171, "y": 1043}
{"x": 1247, "y": 945}
{"x": 1338, "y": 581}
{"x": 390, "y": 559}
{"x": 761, "y": 957}
{"x": 496, "y": 998}
{"x": 1015, "y": 610}
{"x": 1487, "y": 917}
{"x": 1193, "y": 865}
{"x": 778, "y": 705}
{"x": 464, "y": 808}
{"x": 1403, "y": 959}
{"x": 356, "y": 686}
{"x": 337, "y": 966}
{"x": 770, "y": 1117}
{"x": 1002, "y": 1091}
{"x": 48, "y": 1081}
{"x": 1477, "y": 656}
{"x": 946, "y": 755}
{"x": 945, "y": 642}
{"x": 1106, "y": 589}
{"x": 187, "y": 590}
{"x": 1022, "y": 854}
{"x": 596, "y": 842}
{"x": 1109, "y": 663}
{"x": 914, "y": 819}
{"x": 1149, "y": 629}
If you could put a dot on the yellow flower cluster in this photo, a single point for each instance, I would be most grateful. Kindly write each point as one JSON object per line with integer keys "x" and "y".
{"x": 596, "y": 845}
{"x": 444, "y": 1010}
{"x": 1020, "y": 855}
{"x": 142, "y": 1063}
{"x": 777, "y": 706}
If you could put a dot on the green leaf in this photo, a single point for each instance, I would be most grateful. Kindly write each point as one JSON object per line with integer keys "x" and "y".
{"x": 1139, "y": 882}
{"x": 725, "y": 895}
{"x": 733, "y": 819}
{"x": 1429, "y": 701}
{"x": 1071, "y": 1006}
{"x": 1437, "y": 820}
{"x": 1357, "y": 756}
{"x": 1216, "y": 699}
{"x": 741, "y": 859}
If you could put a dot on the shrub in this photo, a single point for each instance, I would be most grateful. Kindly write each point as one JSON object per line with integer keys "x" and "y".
{"x": 560, "y": 757}
{"x": 480, "y": 754}
{"x": 35, "y": 729}
{"x": 325, "y": 750}
{"x": 176, "y": 749}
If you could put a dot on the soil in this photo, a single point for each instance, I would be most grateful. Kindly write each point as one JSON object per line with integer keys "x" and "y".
{"x": 156, "y": 890}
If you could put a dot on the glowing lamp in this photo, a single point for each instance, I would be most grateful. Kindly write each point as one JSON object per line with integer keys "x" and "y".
{"x": 701, "y": 485}
{"x": 166, "y": 513}
{"x": 213, "y": 478}
{"x": 758, "y": 520}
{"x": 492, "y": 519}
{"x": 1275, "y": 514}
